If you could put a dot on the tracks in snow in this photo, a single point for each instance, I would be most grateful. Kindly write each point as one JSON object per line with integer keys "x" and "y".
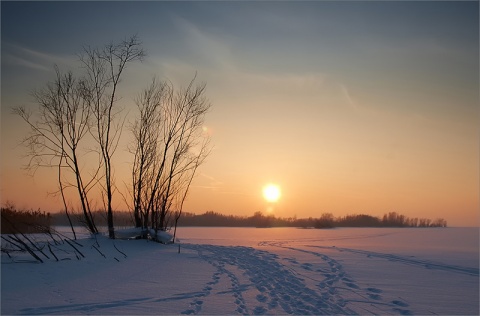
{"x": 340, "y": 287}
{"x": 409, "y": 260}
{"x": 276, "y": 289}
{"x": 284, "y": 285}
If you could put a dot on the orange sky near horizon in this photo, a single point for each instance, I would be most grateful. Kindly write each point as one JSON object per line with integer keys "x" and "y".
{"x": 346, "y": 113}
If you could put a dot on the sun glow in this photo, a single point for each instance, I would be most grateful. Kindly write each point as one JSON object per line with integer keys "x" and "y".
{"x": 271, "y": 193}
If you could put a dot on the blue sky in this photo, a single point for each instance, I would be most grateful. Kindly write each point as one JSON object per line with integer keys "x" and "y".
{"x": 377, "y": 44}
{"x": 339, "y": 102}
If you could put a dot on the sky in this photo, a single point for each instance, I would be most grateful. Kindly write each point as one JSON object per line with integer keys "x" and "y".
{"x": 348, "y": 107}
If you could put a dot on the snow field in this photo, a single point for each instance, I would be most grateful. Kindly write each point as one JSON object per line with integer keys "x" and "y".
{"x": 256, "y": 271}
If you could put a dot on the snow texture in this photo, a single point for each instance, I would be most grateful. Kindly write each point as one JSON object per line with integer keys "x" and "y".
{"x": 254, "y": 271}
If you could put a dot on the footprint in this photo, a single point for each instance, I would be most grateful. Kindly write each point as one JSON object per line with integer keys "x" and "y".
{"x": 273, "y": 303}
{"x": 307, "y": 266}
{"x": 374, "y": 290}
{"x": 261, "y": 298}
{"x": 259, "y": 310}
{"x": 399, "y": 303}
{"x": 374, "y": 296}
{"x": 352, "y": 285}
{"x": 307, "y": 298}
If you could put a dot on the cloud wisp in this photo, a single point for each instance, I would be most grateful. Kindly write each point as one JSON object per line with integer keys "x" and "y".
{"x": 15, "y": 55}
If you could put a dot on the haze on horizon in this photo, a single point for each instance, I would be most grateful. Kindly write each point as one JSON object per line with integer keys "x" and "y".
{"x": 348, "y": 107}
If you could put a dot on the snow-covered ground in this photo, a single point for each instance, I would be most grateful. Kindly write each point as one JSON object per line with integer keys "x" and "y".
{"x": 255, "y": 271}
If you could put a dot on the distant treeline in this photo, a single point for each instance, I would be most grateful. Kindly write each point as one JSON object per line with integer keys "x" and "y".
{"x": 326, "y": 220}
{"x": 35, "y": 221}
{"x": 24, "y": 221}
{"x": 30, "y": 221}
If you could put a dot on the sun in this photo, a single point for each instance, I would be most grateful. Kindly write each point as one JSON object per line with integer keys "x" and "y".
{"x": 271, "y": 192}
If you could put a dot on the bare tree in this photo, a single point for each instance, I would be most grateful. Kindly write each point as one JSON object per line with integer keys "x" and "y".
{"x": 55, "y": 136}
{"x": 104, "y": 71}
{"x": 169, "y": 145}
{"x": 146, "y": 133}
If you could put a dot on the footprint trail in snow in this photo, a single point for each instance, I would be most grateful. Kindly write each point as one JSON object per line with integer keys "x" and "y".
{"x": 262, "y": 282}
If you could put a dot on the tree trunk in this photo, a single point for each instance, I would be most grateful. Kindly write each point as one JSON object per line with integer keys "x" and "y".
{"x": 90, "y": 225}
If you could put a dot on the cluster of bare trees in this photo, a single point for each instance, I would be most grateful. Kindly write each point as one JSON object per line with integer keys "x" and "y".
{"x": 394, "y": 219}
{"x": 167, "y": 152}
{"x": 168, "y": 141}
